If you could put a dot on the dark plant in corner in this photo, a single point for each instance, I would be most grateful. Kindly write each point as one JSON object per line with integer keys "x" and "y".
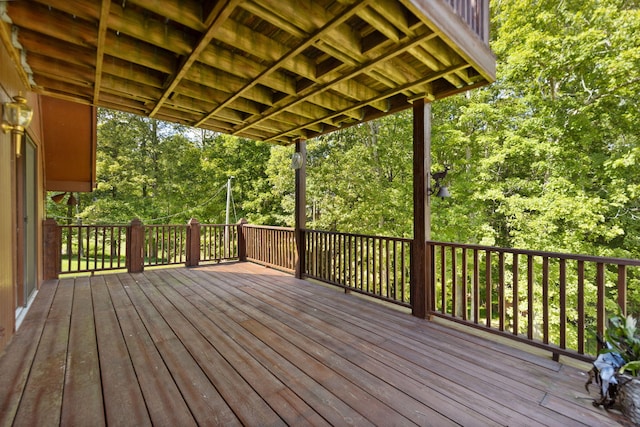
{"x": 617, "y": 366}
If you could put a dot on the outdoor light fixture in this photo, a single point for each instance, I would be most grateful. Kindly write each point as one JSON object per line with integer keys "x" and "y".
{"x": 438, "y": 189}
{"x": 16, "y": 117}
{"x": 57, "y": 198}
{"x": 297, "y": 160}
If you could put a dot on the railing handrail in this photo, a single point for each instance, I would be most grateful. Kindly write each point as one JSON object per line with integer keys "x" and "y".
{"x": 269, "y": 227}
{"x": 559, "y": 255}
{"x": 365, "y": 236}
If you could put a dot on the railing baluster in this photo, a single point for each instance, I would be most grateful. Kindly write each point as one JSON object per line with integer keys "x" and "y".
{"x": 530, "y": 296}
{"x": 516, "y": 299}
{"x": 501, "y": 298}
{"x": 622, "y": 288}
{"x": 476, "y": 287}
{"x": 563, "y": 303}
{"x": 465, "y": 288}
{"x": 545, "y": 300}
{"x": 443, "y": 280}
{"x": 488, "y": 287}
{"x": 601, "y": 314}
{"x": 454, "y": 283}
{"x": 581, "y": 307}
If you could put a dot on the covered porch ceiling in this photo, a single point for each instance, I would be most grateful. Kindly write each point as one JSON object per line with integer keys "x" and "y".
{"x": 274, "y": 71}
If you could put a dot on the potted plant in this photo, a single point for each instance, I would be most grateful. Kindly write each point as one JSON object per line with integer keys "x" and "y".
{"x": 617, "y": 366}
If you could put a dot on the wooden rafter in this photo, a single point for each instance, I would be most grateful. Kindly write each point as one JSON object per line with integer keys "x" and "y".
{"x": 217, "y": 16}
{"x": 273, "y": 71}
{"x": 289, "y": 55}
{"x": 386, "y": 95}
{"x": 315, "y": 91}
{"x": 102, "y": 34}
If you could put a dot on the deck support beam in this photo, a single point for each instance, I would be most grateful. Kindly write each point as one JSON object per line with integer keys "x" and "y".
{"x": 301, "y": 209}
{"x": 421, "y": 298}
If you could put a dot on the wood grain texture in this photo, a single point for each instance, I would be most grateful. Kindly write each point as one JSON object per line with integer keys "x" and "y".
{"x": 241, "y": 344}
{"x": 274, "y": 71}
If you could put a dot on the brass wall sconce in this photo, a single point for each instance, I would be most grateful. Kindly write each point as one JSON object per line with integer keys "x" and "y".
{"x": 438, "y": 188}
{"x": 16, "y": 117}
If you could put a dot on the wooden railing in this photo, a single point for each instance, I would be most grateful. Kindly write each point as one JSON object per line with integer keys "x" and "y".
{"x": 558, "y": 302}
{"x": 218, "y": 242}
{"x": 371, "y": 265}
{"x": 92, "y": 247}
{"x": 475, "y": 13}
{"x": 165, "y": 244}
{"x": 537, "y": 297}
{"x": 270, "y": 246}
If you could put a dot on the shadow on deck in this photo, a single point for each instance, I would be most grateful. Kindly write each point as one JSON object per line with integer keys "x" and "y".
{"x": 240, "y": 344}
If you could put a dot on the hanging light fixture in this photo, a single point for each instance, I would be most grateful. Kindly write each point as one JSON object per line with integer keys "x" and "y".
{"x": 438, "y": 188}
{"x": 297, "y": 160}
{"x": 16, "y": 117}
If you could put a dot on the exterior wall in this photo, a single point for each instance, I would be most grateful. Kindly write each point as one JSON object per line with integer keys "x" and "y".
{"x": 11, "y": 85}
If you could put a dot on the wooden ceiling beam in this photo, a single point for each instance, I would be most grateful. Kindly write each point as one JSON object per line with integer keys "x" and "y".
{"x": 186, "y": 12}
{"x": 394, "y": 13}
{"x": 217, "y": 17}
{"x": 131, "y": 71}
{"x": 89, "y": 11}
{"x": 232, "y": 84}
{"x": 285, "y": 57}
{"x": 158, "y": 33}
{"x": 424, "y": 81}
{"x": 61, "y": 70}
{"x": 64, "y": 89}
{"x": 102, "y": 34}
{"x": 422, "y": 55}
{"x": 136, "y": 90}
{"x": 66, "y": 52}
{"x": 268, "y": 14}
{"x": 138, "y": 52}
{"x": 215, "y": 96}
{"x": 376, "y": 101}
{"x": 55, "y": 24}
{"x": 307, "y": 15}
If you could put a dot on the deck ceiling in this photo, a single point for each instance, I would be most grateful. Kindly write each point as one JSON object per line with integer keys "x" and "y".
{"x": 266, "y": 70}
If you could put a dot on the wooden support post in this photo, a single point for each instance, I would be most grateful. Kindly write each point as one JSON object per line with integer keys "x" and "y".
{"x": 135, "y": 247}
{"x": 301, "y": 209}
{"x": 193, "y": 243}
{"x": 242, "y": 240}
{"x": 52, "y": 247}
{"x": 421, "y": 287}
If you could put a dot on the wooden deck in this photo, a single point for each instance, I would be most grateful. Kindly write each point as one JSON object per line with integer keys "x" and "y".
{"x": 239, "y": 344}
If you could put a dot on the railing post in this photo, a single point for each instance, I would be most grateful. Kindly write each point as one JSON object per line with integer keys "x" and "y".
{"x": 420, "y": 278}
{"x": 242, "y": 240}
{"x": 135, "y": 247}
{"x": 193, "y": 243}
{"x": 52, "y": 246}
{"x": 301, "y": 209}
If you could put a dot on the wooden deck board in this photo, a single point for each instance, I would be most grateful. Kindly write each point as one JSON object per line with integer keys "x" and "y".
{"x": 16, "y": 365}
{"x": 82, "y": 403}
{"x": 239, "y": 344}
{"x": 161, "y": 394}
{"x": 123, "y": 399}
